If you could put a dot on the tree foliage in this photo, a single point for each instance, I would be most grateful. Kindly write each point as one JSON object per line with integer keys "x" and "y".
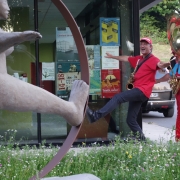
{"x": 153, "y": 23}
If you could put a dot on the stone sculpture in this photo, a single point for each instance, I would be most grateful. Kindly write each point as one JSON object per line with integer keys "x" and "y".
{"x": 75, "y": 177}
{"x": 17, "y": 95}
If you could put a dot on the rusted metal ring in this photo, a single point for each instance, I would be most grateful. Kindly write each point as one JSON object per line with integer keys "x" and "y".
{"x": 84, "y": 76}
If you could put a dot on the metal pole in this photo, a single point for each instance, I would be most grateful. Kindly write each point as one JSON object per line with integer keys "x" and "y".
{"x": 136, "y": 26}
{"x": 136, "y": 36}
{"x": 37, "y": 66}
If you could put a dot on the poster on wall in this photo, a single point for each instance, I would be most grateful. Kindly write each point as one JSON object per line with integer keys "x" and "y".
{"x": 95, "y": 82}
{"x": 97, "y": 57}
{"x": 110, "y": 83}
{"x": 48, "y": 72}
{"x": 93, "y": 53}
{"x": 67, "y": 63}
{"x": 67, "y": 72}
{"x": 64, "y": 83}
{"x": 108, "y": 63}
{"x": 109, "y": 31}
{"x": 64, "y": 40}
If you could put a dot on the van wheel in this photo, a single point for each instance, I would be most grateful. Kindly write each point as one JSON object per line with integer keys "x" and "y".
{"x": 145, "y": 111}
{"x": 168, "y": 112}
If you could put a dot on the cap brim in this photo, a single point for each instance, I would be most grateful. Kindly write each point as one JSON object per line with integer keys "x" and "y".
{"x": 145, "y": 40}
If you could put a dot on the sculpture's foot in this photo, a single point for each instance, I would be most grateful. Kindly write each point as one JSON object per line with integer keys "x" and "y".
{"x": 78, "y": 97}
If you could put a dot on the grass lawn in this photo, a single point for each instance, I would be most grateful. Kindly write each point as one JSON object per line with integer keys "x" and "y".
{"x": 163, "y": 52}
{"x": 118, "y": 161}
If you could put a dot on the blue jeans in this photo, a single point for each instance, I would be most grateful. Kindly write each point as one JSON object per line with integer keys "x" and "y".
{"x": 135, "y": 97}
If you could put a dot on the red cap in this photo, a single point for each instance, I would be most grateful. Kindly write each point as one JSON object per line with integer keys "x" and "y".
{"x": 148, "y": 40}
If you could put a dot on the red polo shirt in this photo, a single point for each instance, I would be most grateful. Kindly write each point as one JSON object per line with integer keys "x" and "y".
{"x": 145, "y": 76}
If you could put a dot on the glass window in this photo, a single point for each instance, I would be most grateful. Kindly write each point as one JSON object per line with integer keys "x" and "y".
{"x": 19, "y": 66}
{"x": 57, "y": 46}
{"x": 57, "y": 56}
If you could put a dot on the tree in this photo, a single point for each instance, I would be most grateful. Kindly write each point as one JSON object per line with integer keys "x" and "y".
{"x": 153, "y": 23}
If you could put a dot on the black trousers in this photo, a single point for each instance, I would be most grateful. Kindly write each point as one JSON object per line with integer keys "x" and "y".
{"x": 135, "y": 97}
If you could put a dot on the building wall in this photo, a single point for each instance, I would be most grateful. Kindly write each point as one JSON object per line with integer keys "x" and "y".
{"x": 54, "y": 129}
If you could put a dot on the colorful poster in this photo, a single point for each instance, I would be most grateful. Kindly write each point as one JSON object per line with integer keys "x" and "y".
{"x": 67, "y": 62}
{"x": 67, "y": 72}
{"x": 67, "y": 66}
{"x": 108, "y": 63}
{"x": 95, "y": 82}
{"x": 110, "y": 83}
{"x": 90, "y": 54}
{"x": 93, "y": 53}
{"x": 109, "y": 31}
{"x": 64, "y": 83}
{"x": 48, "y": 71}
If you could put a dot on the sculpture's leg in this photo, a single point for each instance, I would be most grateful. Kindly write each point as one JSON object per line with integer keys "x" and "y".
{"x": 17, "y": 95}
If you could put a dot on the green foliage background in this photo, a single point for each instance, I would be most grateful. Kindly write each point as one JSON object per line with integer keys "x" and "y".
{"x": 153, "y": 23}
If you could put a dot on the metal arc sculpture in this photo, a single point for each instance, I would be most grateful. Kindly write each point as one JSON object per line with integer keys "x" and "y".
{"x": 84, "y": 76}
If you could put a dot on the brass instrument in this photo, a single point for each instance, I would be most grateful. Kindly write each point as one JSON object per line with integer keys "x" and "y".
{"x": 129, "y": 84}
{"x": 174, "y": 83}
{"x": 173, "y": 35}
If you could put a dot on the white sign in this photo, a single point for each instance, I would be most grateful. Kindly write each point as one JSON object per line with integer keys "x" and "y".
{"x": 108, "y": 63}
{"x": 48, "y": 73}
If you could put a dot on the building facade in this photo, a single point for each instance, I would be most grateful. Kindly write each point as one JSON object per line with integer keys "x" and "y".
{"x": 41, "y": 62}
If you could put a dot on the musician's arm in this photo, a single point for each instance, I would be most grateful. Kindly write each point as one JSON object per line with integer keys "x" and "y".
{"x": 166, "y": 77}
{"x": 119, "y": 58}
{"x": 162, "y": 64}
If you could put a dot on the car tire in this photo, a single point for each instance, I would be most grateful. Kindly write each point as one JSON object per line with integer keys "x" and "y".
{"x": 145, "y": 111}
{"x": 168, "y": 112}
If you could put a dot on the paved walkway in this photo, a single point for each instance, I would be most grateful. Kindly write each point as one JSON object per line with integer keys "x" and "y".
{"x": 158, "y": 133}
{"x": 152, "y": 131}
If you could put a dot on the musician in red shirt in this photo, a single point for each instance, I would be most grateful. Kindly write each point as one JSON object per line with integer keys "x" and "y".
{"x": 143, "y": 82}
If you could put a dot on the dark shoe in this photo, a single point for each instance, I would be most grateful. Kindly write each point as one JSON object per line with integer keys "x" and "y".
{"x": 132, "y": 137}
{"x": 115, "y": 131}
{"x": 90, "y": 115}
{"x": 142, "y": 138}
{"x": 112, "y": 126}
